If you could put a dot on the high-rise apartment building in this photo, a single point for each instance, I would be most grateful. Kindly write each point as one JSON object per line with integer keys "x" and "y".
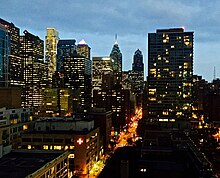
{"x": 170, "y": 72}
{"x": 52, "y": 39}
{"x": 76, "y": 70}
{"x": 14, "y": 74}
{"x": 34, "y": 69}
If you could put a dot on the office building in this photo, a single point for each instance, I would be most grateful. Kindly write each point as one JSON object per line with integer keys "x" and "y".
{"x": 116, "y": 55}
{"x": 57, "y": 102}
{"x": 76, "y": 71}
{"x": 34, "y": 69}
{"x": 170, "y": 71}
{"x": 52, "y": 39}
{"x": 4, "y": 56}
{"x": 13, "y": 64}
{"x": 83, "y": 49}
{"x": 101, "y": 67}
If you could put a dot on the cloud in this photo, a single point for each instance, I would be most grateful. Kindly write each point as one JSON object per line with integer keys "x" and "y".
{"x": 97, "y": 21}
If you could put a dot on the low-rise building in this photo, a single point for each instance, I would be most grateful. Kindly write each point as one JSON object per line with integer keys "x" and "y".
{"x": 78, "y": 136}
{"x": 35, "y": 164}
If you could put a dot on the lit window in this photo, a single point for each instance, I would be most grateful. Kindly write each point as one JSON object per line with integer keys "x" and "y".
{"x": 45, "y": 147}
{"x": 29, "y": 147}
{"x": 57, "y": 147}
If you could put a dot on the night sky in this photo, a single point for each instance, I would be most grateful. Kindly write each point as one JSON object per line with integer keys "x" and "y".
{"x": 97, "y": 22}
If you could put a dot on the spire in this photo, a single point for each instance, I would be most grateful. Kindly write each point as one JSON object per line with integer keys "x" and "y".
{"x": 82, "y": 42}
{"x": 116, "y": 39}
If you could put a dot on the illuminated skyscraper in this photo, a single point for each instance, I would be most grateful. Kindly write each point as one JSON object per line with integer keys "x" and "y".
{"x": 83, "y": 49}
{"x": 116, "y": 55}
{"x": 170, "y": 71}
{"x": 34, "y": 69}
{"x": 51, "y": 52}
{"x": 4, "y": 56}
{"x": 14, "y": 74}
{"x": 101, "y": 68}
{"x": 76, "y": 70}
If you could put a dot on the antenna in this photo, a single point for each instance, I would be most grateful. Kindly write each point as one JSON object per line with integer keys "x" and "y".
{"x": 214, "y": 74}
{"x": 116, "y": 39}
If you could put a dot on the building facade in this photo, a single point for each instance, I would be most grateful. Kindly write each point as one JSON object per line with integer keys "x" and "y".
{"x": 12, "y": 123}
{"x": 78, "y": 136}
{"x": 116, "y": 55}
{"x": 14, "y": 74}
{"x": 4, "y": 56}
{"x": 34, "y": 69}
{"x": 76, "y": 71}
{"x": 170, "y": 71}
{"x": 52, "y": 39}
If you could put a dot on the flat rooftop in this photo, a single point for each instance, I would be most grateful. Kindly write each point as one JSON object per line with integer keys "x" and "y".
{"x": 19, "y": 164}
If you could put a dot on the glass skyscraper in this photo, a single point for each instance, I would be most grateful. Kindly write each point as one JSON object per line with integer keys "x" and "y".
{"x": 14, "y": 74}
{"x": 4, "y": 56}
{"x": 170, "y": 71}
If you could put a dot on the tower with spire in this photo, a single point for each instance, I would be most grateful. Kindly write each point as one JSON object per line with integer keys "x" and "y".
{"x": 116, "y": 55}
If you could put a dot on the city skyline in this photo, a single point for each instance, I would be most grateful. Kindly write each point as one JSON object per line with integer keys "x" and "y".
{"x": 97, "y": 22}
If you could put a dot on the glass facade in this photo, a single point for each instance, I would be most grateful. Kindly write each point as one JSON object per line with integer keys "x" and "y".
{"x": 4, "y": 56}
{"x": 32, "y": 52}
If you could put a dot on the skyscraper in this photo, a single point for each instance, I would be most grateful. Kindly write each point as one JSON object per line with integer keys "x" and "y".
{"x": 76, "y": 70}
{"x": 51, "y": 52}
{"x": 83, "y": 49}
{"x": 14, "y": 75}
{"x": 137, "y": 73}
{"x": 138, "y": 64}
{"x": 116, "y": 55}
{"x": 170, "y": 71}
{"x": 32, "y": 53}
{"x": 4, "y": 56}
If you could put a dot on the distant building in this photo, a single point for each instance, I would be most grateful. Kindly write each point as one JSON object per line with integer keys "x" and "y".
{"x": 101, "y": 67}
{"x": 137, "y": 73}
{"x": 83, "y": 49}
{"x": 138, "y": 64}
{"x": 10, "y": 97}
{"x": 32, "y": 163}
{"x": 13, "y": 64}
{"x": 57, "y": 102}
{"x": 76, "y": 71}
{"x": 116, "y": 55}
{"x": 114, "y": 100}
{"x": 170, "y": 71}
{"x": 34, "y": 69}
{"x": 78, "y": 136}
{"x": 52, "y": 39}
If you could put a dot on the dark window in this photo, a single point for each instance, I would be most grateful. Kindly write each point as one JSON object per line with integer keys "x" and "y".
{"x": 26, "y": 139}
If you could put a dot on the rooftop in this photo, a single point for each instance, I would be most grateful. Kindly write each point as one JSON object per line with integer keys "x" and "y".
{"x": 20, "y": 163}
